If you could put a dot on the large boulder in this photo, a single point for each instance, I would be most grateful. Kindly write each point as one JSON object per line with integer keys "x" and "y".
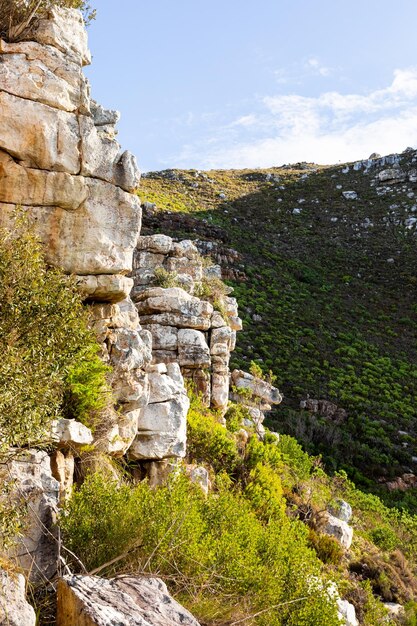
{"x": 338, "y": 529}
{"x": 37, "y": 550}
{"x": 161, "y": 431}
{"x": 260, "y": 389}
{"x": 14, "y": 608}
{"x": 123, "y": 601}
{"x": 346, "y": 613}
{"x": 340, "y": 509}
{"x": 69, "y": 433}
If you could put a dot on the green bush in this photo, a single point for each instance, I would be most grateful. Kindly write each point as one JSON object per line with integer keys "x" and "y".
{"x": 220, "y": 558}
{"x": 300, "y": 462}
{"x": 165, "y": 279}
{"x": 264, "y": 492}
{"x": 208, "y": 441}
{"x": 235, "y": 415}
{"x": 328, "y": 549}
{"x": 384, "y": 537}
{"x": 49, "y": 355}
{"x": 87, "y": 393}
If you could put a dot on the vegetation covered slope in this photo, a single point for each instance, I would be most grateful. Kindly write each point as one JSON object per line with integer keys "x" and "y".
{"x": 252, "y": 550}
{"x": 328, "y": 303}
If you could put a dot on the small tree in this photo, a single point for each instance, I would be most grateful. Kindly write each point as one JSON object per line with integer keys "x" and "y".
{"x": 18, "y": 16}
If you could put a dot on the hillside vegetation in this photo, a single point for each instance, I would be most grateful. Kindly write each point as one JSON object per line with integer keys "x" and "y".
{"x": 252, "y": 550}
{"x": 328, "y": 300}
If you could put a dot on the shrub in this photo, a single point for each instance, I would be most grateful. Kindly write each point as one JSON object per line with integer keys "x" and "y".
{"x": 18, "y": 16}
{"x": 208, "y": 441}
{"x": 12, "y": 512}
{"x": 235, "y": 415}
{"x": 300, "y": 462}
{"x": 264, "y": 491}
{"x": 213, "y": 288}
{"x": 219, "y": 557}
{"x": 49, "y": 355}
{"x": 87, "y": 394}
{"x": 165, "y": 279}
{"x": 384, "y": 537}
{"x": 328, "y": 549}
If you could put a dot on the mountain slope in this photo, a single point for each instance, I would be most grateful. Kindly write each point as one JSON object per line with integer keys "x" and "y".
{"x": 328, "y": 300}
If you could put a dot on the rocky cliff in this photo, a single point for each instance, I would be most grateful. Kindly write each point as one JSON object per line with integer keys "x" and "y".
{"x": 61, "y": 165}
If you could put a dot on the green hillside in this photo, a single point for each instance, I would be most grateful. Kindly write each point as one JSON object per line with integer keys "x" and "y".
{"x": 328, "y": 300}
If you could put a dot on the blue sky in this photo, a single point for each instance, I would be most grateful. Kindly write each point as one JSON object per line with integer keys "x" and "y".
{"x": 257, "y": 83}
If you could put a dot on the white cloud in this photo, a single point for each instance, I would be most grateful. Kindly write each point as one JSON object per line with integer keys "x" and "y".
{"x": 328, "y": 128}
{"x": 314, "y": 64}
{"x": 245, "y": 120}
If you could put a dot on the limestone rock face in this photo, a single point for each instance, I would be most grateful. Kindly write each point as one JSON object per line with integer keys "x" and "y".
{"x": 128, "y": 349}
{"x": 105, "y": 287}
{"x": 25, "y": 186}
{"x": 37, "y": 550}
{"x": 96, "y": 239}
{"x": 162, "y": 423}
{"x": 14, "y": 608}
{"x": 102, "y": 158}
{"x": 64, "y": 29}
{"x": 44, "y": 74}
{"x": 193, "y": 350}
{"x": 59, "y": 158}
{"x": 38, "y": 135}
{"x": 177, "y": 304}
{"x": 125, "y": 601}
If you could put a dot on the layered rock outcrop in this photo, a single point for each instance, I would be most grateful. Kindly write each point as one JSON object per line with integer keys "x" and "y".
{"x": 60, "y": 162}
{"x": 58, "y": 153}
{"x": 256, "y": 395}
{"x": 36, "y": 491}
{"x": 186, "y": 329}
